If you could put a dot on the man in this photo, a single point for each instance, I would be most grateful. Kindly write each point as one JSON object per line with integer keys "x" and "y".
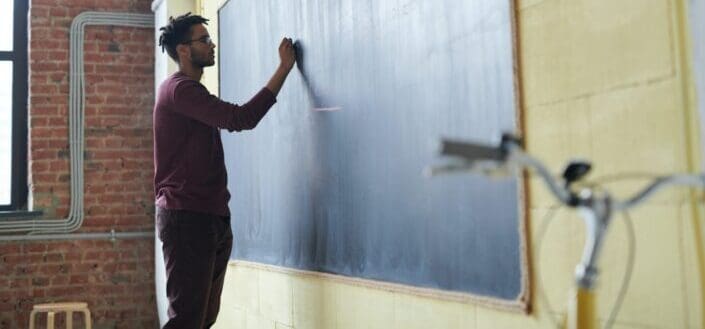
{"x": 193, "y": 219}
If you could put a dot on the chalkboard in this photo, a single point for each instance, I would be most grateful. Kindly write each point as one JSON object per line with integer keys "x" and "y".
{"x": 332, "y": 178}
{"x": 697, "y": 27}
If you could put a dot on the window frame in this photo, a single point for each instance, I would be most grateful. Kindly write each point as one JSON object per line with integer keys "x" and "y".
{"x": 18, "y": 57}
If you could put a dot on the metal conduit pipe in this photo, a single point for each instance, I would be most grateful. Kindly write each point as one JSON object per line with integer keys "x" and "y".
{"x": 45, "y": 229}
{"x": 79, "y": 236}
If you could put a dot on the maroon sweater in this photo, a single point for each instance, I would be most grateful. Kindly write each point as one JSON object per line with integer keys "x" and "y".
{"x": 188, "y": 153}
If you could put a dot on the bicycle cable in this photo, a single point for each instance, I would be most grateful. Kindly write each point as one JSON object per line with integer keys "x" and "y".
{"x": 543, "y": 228}
{"x": 631, "y": 257}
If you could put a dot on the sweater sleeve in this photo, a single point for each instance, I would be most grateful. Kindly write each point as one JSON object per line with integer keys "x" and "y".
{"x": 193, "y": 100}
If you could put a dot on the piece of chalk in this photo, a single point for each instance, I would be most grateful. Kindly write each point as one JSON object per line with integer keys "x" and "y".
{"x": 327, "y": 109}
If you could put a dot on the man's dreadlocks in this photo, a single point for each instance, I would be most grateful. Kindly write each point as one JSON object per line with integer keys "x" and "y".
{"x": 178, "y": 31}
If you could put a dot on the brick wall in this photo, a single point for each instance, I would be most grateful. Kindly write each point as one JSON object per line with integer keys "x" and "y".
{"x": 115, "y": 278}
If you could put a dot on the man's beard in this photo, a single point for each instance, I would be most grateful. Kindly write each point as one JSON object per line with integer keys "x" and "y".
{"x": 203, "y": 61}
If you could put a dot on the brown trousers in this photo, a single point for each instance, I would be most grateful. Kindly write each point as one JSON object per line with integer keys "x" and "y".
{"x": 196, "y": 251}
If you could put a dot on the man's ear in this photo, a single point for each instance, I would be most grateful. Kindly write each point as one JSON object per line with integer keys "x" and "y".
{"x": 182, "y": 51}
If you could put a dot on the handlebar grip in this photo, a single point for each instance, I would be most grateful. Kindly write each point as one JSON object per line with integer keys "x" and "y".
{"x": 472, "y": 151}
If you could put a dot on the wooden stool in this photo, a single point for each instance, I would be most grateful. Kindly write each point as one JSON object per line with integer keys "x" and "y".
{"x": 53, "y": 308}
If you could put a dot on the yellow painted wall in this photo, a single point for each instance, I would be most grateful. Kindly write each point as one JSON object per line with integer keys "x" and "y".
{"x": 608, "y": 80}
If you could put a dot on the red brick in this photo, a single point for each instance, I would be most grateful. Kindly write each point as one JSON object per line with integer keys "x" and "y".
{"x": 42, "y": 89}
{"x": 58, "y": 122}
{"x": 37, "y": 292}
{"x": 58, "y": 76}
{"x": 35, "y": 247}
{"x": 9, "y": 248}
{"x": 59, "y": 165}
{"x": 58, "y": 143}
{"x": 40, "y": 281}
{"x": 38, "y": 121}
{"x": 18, "y": 283}
{"x": 78, "y": 279}
{"x": 60, "y": 280}
{"x": 38, "y": 11}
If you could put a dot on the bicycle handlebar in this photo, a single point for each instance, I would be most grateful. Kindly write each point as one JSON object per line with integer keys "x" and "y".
{"x": 658, "y": 184}
{"x": 479, "y": 157}
{"x": 472, "y": 151}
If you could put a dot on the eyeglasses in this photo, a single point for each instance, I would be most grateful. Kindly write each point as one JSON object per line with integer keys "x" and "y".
{"x": 206, "y": 39}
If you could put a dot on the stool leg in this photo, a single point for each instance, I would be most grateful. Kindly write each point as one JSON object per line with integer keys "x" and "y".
{"x": 31, "y": 319}
{"x": 69, "y": 320}
{"x": 88, "y": 318}
{"x": 50, "y": 320}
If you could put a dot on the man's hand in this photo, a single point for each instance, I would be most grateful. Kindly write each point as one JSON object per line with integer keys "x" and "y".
{"x": 288, "y": 58}
{"x": 287, "y": 54}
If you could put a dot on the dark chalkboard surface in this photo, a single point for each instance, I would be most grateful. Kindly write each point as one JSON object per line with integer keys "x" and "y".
{"x": 697, "y": 29}
{"x": 331, "y": 179}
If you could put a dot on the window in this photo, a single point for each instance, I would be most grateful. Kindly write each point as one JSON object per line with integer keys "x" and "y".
{"x": 13, "y": 104}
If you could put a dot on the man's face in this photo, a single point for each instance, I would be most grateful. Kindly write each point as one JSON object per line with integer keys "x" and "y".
{"x": 202, "y": 48}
